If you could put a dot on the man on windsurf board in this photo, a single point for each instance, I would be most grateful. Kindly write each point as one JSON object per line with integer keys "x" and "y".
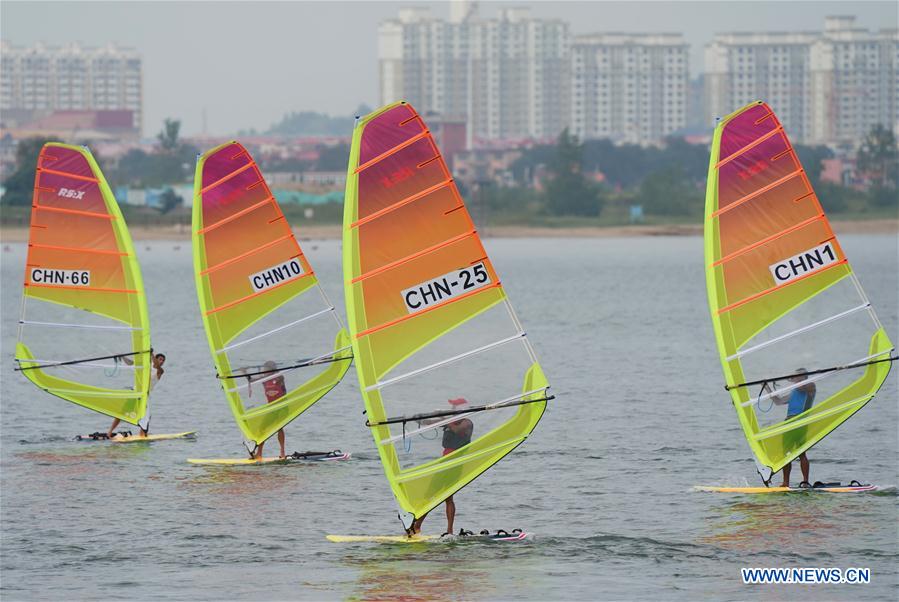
{"x": 156, "y": 373}
{"x": 456, "y": 434}
{"x": 275, "y": 389}
{"x": 799, "y": 400}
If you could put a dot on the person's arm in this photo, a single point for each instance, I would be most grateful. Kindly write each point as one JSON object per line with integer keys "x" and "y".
{"x": 249, "y": 383}
{"x": 777, "y": 399}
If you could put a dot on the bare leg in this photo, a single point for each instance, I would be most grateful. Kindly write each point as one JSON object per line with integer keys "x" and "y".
{"x": 416, "y": 526}
{"x": 786, "y": 473}
{"x": 450, "y": 514}
{"x": 257, "y": 455}
{"x": 115, "y": 423}
{"x": 804, "y": 465}
{"x": 281, "y": 443}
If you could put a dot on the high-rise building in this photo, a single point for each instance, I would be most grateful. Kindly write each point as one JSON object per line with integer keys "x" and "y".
{"x": 424, "y": 60}
{"x": 71, "y": 78}
{"x": 507, "y": 75}
{"x": 520, "y": 76}
{"x": 826, "y": 87}
{"x": 629, "y": 87}
{"x": 854, "y": 81}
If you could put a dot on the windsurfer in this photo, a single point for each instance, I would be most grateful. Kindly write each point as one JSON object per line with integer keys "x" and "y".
{"x": 156, "y": 373}
{"x": 275, "y": 389}
{"x": 798, "y": 401}
{"x": 456, "y": 435}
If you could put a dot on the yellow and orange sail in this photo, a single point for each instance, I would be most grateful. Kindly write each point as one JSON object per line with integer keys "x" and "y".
{"x": 83, "y": 332}
{"x": 276, "y": 341}
{"x": 801, "y": 346}
{"x": 435, "y": 338}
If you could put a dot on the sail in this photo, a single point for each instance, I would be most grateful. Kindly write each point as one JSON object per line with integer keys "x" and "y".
{"x": 83, "y": 331}
{"x": 435, "y": 339}
{"x": 801, "y": 347}
{"x": 276, "y": 340}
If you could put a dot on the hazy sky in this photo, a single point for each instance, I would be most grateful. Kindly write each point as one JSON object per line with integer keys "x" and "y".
{"x": 249, "y": 63}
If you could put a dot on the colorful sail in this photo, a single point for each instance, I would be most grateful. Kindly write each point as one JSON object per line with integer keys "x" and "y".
{"x": 276, "y": 340}
{"x": 801, "y": 347}
{"x": 435, "y": 339}
{"x": 83, "y": 331}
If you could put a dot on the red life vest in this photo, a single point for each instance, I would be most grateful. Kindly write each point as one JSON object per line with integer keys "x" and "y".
{"x": 274, "y": 388}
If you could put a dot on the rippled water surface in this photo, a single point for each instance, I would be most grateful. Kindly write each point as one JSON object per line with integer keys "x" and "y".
{"x": 622, "y": 330}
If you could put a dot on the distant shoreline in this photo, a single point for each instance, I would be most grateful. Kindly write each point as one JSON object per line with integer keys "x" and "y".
{"x": 13, "y": 234}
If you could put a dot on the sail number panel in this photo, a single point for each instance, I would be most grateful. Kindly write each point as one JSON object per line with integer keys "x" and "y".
{"x": 277, "y": 274}
{"x": 447, "y": 286}
{"x": 60, "y": 277}
{"x": 804, "y": 263}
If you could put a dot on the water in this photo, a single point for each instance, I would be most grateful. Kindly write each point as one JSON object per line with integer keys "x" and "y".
{"x": 622, "y": 329}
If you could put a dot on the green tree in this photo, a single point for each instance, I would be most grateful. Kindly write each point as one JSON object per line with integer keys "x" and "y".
{"x": 884, "y": 197}
{"x": 169, "y": 200}
{"x": 812, "y": 158}
{"x": 310, "y": 123}
{"x": 833, "y": 197}
{"x": 568, "y": 192}
{"x": 168, "y": 136}
{"x": 669, "y": 192}
{"x": 877, "y": 158}
{"x": 332, "y": 158}
{"x": 172, "y": 161}
{"x": 19, "y": 185}
{"x": 130, "y": 170}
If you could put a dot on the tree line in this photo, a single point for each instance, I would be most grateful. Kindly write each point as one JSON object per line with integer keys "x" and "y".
{"x": 171, "y": 161}
{"x": 669, "y": 180}
{"x": 666, "y": 181}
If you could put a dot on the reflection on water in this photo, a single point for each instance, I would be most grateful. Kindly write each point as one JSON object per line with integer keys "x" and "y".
{"x": 790, "y": 522}
{"x": 92, "y": 459}
{"x": 241, "y": 481}
{"x": 437, "y": 570}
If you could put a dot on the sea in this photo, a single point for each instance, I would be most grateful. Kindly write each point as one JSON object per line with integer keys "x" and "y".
{"x": 605, "y": 482}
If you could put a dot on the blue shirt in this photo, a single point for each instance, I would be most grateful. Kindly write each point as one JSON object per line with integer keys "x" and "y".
{"x": 799, "y": 402}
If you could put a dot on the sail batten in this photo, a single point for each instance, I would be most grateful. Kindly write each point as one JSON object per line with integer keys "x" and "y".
{"x": 63, "y": 325}
{"x": 771, "y": 238}
{"x": 444, "y": 362}
{"x": 798, "y": 331}
{"x": 773, "y": 289}
{"x": 779, "y": 285}
{"x": 423, "y": 305}
{"x": 253, "y": 283}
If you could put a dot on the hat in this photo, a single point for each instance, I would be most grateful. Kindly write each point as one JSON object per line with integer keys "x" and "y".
{"x": 800, "y": 374}
{"x": 461, "y": 401}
